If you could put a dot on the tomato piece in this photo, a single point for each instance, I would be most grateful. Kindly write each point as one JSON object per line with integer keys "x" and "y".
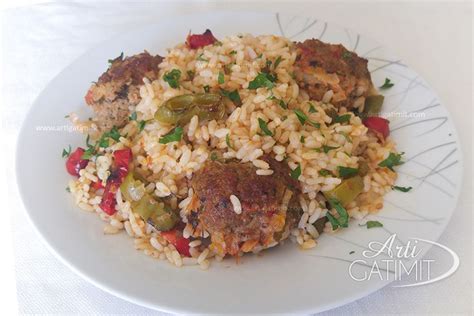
{"x": 175, "y": 238}
{"x": 378, "y": 125}
{"x": 75, "y": 163}
{"x": 200, "y": 40}
{"x": 122, "y": 158}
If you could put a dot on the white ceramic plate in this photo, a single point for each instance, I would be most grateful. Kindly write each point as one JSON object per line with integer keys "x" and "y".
{"x": 284, "y": 279}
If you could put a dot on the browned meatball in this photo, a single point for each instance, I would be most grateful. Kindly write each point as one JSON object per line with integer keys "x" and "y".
{"x": 262, "y": 221}
{"x": 118, "y": 88}
{"x": 321, "y": 67}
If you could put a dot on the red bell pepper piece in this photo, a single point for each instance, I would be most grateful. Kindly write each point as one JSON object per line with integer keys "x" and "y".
{"x": 176, "y": 238}
{"x": 378, "y": 125}
{"x": 200, "y": 40}
{"x": 122, "y": 159}
{"x": 75, "y": 163}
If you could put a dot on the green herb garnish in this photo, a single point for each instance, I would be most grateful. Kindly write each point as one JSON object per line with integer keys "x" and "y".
{"x": 227, "y": 141}
{"x": 233, "y": 52}
{"x": 312, "y": 109}
{"x": 372, "y": 224}
{"x": 392, "y": 160}
{"x": 296, "y": 173}
{"x": 343, "y": 219}
{"x": 263, "y": 79}
{"x": 234, "y": 96}
{"x": 114, "y": 134}
{"x": 387, "y": 84}
{"x": 324, "y": 172}
{"x": 220, "y": 78}
{"x": 346, "y": 55}
{"x": 111, "y": 61}
{"x": 277, "y": 62}
{"x": 213, "y": 156}
{"x": 302, "y": 139}
{"x": 342, "y": 118}
{"x": 401, "y": 189}
{"x": 68, "y": 190}
{"x": 172, "y": 78}
{"x": 141, "y": 126}
{"x": 173, "y": 136}
{"x": 347, "y": 172}
{"x": 133, "y": 116}
{"x": 326, "y": 148}
{"x": 351, "y": 252}
{"x": 264, "y": 127}
{"x": 201, "y": 58}
{"x": 301, "y": 116}
{"x": 206, "y": 88}
{"x": 191, "y": 74}
{"x": 66, "y": 152}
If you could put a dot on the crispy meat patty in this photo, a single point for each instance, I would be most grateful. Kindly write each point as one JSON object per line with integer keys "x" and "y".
{"x": 262, "y": 221}
{"x": 118, "y": 88}
{"x": 321, "y": 67}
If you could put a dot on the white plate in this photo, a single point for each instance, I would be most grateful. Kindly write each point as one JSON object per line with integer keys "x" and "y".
{"x": 284, "y": 279}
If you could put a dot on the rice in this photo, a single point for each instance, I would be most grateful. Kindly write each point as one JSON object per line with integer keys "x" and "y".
{"x": 236, "y": 204}
{"x": 168, "y": 167}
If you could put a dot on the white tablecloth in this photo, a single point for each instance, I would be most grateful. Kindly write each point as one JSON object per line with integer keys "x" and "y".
{"x": 39, "y": 41}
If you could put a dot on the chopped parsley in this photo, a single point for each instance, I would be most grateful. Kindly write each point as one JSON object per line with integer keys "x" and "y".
{"x": 347, "y": 172}
{"x": 234, "y": 96}
{"x": 312, "y": 109}
{"x": 326, "y": 148}
{"x": 263, "y": 79}
{"x": 324, "y": 172}
{"x": 281, "y": 103}
{"x": 114, "y": 134}
{"x": 206, "y": 88}
{"x": 172, "y": 78}
{"x": 214, "y": 156}
{"x": 346, "y": 55}
{"x": 233, "y": 52}
{"x": 66, "y": 152}
{"x": 342, "y": 118}
{"x": 303, "y": 118}
{"x": 401, "y": 189}
{"x": 191, "y": 74}
{"x": 89, "y": 153}
{"x": 227, "y": 141}
{"x": 302, "y": 139}
{"x": 173, "y": 136}
{"x": 346, "y": 136}
{"x": 387, "y": 84}
{"x": 133, "y": 116}
{"x": 120, "y": 57}
{"x": 296, "y": 173}
{"x": 352, "y": 252}
{"x": 372, "y": 224}
{"x": 68, "y": 190}
{"x": 342, "y": 220}
{"x": 201, "y": 58}
{"x": 392, "y": 160}
{"x": 277, "y": 62}
{"x": 220, "y": 78}
{"x": 264, "y": 127}
{"x": 141, "y": 126}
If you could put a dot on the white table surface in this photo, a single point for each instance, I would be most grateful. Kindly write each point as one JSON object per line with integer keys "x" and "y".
{"x": 39, "y": 41}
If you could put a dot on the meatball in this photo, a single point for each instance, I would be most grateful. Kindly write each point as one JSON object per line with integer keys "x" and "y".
{"x": 118, "y": 88}
{"x": 321, "y": 67}
{"x": 262, "y": 223}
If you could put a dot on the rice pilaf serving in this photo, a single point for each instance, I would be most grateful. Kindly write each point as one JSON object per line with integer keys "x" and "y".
{"x": 232, "y": 146}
